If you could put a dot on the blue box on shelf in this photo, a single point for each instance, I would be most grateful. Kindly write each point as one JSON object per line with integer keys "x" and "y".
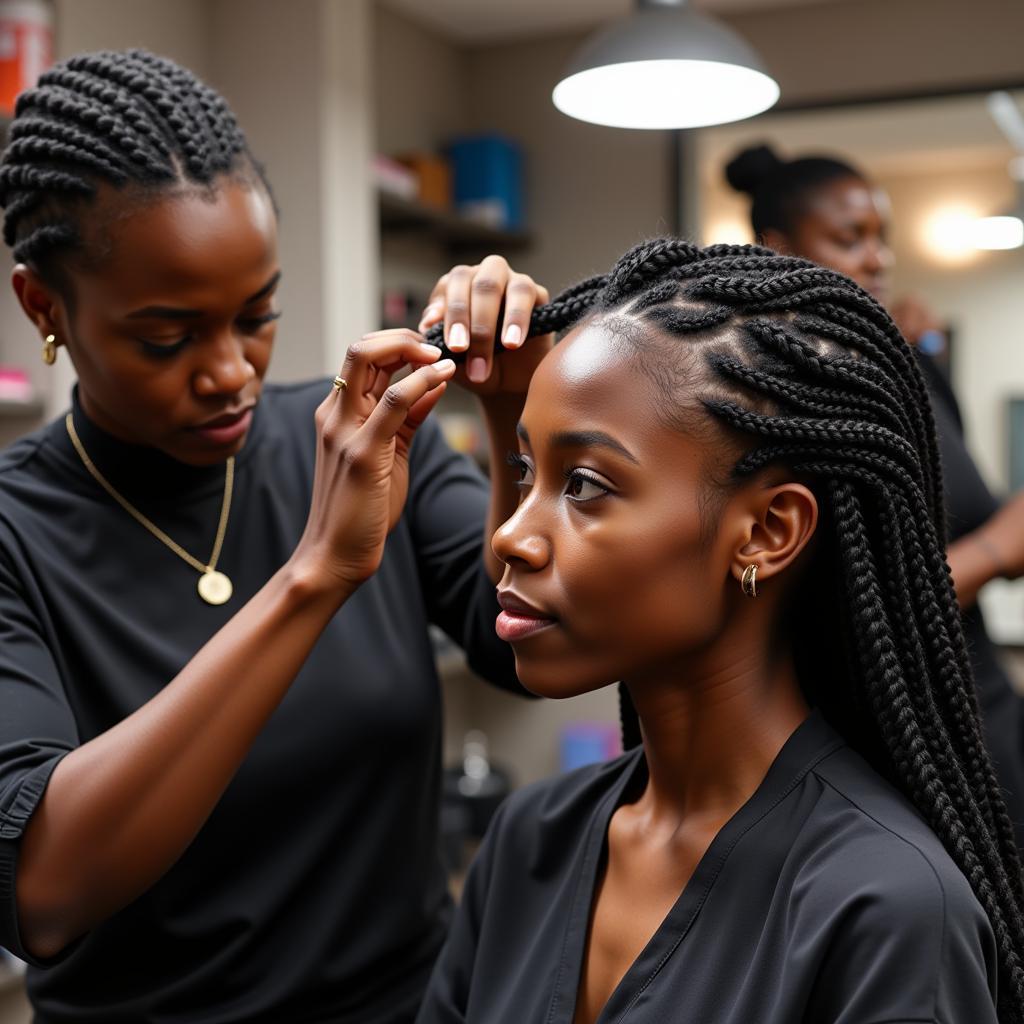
{"x": 488, "y": 180}
{"x": 583, "y": 743}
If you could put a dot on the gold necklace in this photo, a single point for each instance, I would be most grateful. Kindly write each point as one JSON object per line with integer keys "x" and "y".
{"x": 214, "y": 587}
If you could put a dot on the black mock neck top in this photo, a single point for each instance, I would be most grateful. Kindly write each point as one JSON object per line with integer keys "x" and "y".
{"x": 315, "y": 891}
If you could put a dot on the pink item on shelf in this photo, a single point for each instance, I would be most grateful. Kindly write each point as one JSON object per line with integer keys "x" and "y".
{"x": 15, "y": 385}
{"x": 395, "y": 178}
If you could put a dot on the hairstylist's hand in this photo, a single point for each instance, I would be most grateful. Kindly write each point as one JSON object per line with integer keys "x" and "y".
{"x": 914, "y": 318}
{"x": 364, "y": 433}
{"x": 479, "y": 304}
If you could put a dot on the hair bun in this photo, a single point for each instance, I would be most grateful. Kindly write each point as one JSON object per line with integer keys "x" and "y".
{"x": 748, "y": 170}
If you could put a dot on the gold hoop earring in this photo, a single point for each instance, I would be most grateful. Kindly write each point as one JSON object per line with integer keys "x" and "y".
{"x": 50, "y": 350}
{"x": 748, "y": 582}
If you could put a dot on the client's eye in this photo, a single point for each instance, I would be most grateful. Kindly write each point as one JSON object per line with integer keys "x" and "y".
{"x": 523, "y": 468}
{"x": 583, "y": 486}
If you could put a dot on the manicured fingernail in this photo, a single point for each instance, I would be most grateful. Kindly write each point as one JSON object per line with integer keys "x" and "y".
{"x": 458, "y": 338}
{"x": 513, "y": 336}
{"x": 445, "y": 365}
{"x": 430, "y": 350}
{"x": 476, "y": 371}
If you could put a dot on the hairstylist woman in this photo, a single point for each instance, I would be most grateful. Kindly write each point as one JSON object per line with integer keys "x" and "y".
{"x": 219, "y": 806}
{"x": 828, "y": 211}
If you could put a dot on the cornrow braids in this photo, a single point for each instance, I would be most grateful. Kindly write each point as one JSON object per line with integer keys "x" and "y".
{"x": 125, "y": 119}
{"x": 797, "y": 366}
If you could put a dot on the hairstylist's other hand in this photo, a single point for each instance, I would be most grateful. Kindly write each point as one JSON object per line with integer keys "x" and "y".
{"x": 364, "y": 433}
{"x": 479, "y": 304}
{"x": 914, "y": 318}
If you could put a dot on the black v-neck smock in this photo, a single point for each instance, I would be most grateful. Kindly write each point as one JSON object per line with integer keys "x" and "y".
{"x": 314, "y": 892}
{"x": 824, "y": 900}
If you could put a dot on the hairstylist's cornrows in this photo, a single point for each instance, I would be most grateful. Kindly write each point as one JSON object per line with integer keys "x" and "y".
{"x": 121, "y": 118}
{"x": 800, "y": 367}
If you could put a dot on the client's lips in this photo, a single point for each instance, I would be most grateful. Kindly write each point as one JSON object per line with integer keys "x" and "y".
{"x": 518, "y": 618}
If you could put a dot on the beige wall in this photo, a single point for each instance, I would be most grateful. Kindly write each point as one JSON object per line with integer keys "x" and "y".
{"x": 178, "y": 29}
{"x": 420, "y": 84}
{"x": 298, "y": 77}
{"x": 863, "y": 47}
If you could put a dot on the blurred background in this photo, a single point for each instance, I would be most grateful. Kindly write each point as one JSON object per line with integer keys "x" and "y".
{"x": 402, "y": 136}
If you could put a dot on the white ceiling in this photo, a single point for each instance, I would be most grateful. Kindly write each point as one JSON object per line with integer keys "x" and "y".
{"x": 488, "y": 21}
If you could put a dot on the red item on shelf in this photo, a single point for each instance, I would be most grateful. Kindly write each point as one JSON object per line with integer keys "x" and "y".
{"x": 26, "y": 47}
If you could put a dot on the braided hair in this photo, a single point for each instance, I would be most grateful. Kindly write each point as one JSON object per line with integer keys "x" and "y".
{"x": 130, "y": 120}
{"x": 797, "y": 366}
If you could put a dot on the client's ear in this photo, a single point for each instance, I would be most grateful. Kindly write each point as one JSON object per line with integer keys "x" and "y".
{"x": 779, "y": 524}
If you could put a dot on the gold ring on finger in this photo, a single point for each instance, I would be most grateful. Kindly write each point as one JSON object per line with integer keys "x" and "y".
{"x": 340, "y": 383}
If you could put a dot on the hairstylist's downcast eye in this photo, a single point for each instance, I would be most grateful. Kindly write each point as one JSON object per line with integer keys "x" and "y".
{"x": 254, "y": 323}
{"x": 163, "y": 349}
{"x": 847, "y": 239}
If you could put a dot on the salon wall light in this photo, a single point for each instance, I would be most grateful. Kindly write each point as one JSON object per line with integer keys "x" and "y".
{"x": 949, "y": 233}
{"x": 955, "y": 234}
{"x": 1005, "y": 231}
{"x": 665, "y": 66}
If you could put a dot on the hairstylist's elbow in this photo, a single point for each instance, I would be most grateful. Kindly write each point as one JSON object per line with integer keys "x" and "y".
{"x": 45, "y": 922}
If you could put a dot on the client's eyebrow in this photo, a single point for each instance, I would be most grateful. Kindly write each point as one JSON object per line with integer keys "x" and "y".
{"x": 583, "y": 439}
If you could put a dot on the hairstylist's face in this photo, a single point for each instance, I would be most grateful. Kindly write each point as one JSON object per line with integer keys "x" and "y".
{"x": 171, "y": 332}
{"x": 608, "y": 572}
{"x": 844, "y": 229}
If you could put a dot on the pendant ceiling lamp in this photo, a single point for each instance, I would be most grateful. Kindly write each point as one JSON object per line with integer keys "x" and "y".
{"x": 665, "y": 66}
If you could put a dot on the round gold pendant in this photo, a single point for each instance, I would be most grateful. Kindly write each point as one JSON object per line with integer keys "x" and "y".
{"x": 215, "y": 587}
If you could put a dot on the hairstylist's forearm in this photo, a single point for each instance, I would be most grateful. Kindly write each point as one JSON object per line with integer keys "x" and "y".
{"x": 995, "y": 550}
{"x": 123, "y": 807}
{"x": 501, "y": 415}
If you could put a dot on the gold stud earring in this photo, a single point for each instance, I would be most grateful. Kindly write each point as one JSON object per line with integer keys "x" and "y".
{"x": 748, "y": 582}
{"x": 50, "y": 350}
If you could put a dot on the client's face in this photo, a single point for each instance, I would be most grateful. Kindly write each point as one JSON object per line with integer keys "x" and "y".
{"x": 610, "y": 572}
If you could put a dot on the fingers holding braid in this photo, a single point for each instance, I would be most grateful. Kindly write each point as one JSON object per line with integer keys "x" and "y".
{"x": 365, "y": 429}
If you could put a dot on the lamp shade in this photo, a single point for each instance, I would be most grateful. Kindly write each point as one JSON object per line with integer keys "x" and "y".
{"x": 665, "y": 66}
